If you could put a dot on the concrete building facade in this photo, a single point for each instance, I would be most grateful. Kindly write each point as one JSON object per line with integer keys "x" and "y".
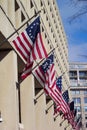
{"x": 78, "y": 89}
{"x": 25, "y": 105}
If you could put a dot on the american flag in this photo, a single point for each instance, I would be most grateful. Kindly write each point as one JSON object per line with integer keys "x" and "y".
{"x": 59, "y": 83}
{"x": 45, "y": 74}
{"x": 78, "y": 123}
{"x": 29, "y": 43}
{"x": 71, "y": 106}
{"x": 27, "y": 70}
{"x": 66, "y": 96}
{"x": 66, "y": 102}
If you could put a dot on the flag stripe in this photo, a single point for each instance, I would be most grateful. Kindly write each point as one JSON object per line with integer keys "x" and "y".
{"x": 42, "y": 45}
{"x": 24, "y": 47}
{"x": 19, "y": 50}
{"x": 29, "y": 43}
{"x": 27, "y": 71}
{"x": 40, "y": 76}
{"x": 38, "y": 47}
{"x": 27, "y": 39}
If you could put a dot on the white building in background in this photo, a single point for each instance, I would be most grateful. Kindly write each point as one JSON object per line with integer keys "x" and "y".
{"x": 24, "y": 113}
{"x": 78, "y": 89}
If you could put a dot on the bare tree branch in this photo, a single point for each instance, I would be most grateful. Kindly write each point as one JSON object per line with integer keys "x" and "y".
{"x": 78, "y": 14}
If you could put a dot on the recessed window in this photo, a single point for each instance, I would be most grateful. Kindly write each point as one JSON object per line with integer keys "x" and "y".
{"x": 55, "y": 40}
{"x": 52, "y": 15}
{"x": 85, "y": 99}
{"x": 77, "y": 100}
{"x": 50, "y": 47}
{"x": 42, "y": 29}
{"x": 86, "y": 125}
{"x": 53, "y": 2}
{"x": 48, "y": 2}
{"x": 48, "y": 41}
{"x": 78, "y": 108}
{"x": 35, "y": 12}
{"x": 78, "y": 115}
{"x": 56, "y": 26}
{"x": 86, "y": 116}
{"x": 31, "y": 4}
{"x": 50, "y": 9}
{"x": 22, "y": 17}
{"x": 49, "y": 24}
{"x": 44, "y": 11}
{"x": 45, "y": 35}
{"x": 16, "y": 6}
{"x": 75, "y": 92}
{"x": 85, "y": 91}
{"x": 51, "y": 30}
{"x": 54, "y": 21}
{"x": 41, "y": 3}
{"x": 53, "y": 35}
{"x": 85, "y": 108}
{"x": 46, "y": 18}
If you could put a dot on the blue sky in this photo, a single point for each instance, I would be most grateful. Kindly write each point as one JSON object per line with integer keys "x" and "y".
{"x": 76, "y": 31}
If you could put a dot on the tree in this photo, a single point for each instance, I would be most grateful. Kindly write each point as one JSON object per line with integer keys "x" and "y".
{"x": 81, "y": 11}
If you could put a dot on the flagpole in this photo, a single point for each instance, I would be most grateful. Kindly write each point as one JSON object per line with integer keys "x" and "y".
{"x": 49, "y": 108}
{"x": 62, "y": 122}
{"x": 16, "y": 30}
{"x": 67, "y": 126}
{"x": 56, "y": 116}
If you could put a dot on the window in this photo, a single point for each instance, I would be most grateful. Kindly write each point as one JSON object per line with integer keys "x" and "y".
{"x": 85, "y": 108}
{"x": 46, "y": 18}
{"x": 86, "y": 125}
{"x": 77, "y": 100}
{"x": 51, "y": 30}
{"x": 45, "y": 35}
{"x": 85, "y": 91}
{"x": 16, "y": 6}
{"x": 73, "y": 73}
{"x": 49, "y": 24}
{"x": 48, "y": 2}
{"x": 41, "y": 3}
{"x": 31, "y": 4}
{"x": 83, "y": 73}
{"x": 85, "y": 99}
{"x": 78, "y": 108}
{"x": 35, "y": 12}
{"x": 48, "y": 41}
{"x": 50, "y": 47}
{"x": 22, "y": 17}
{"x": 42, "y": 29}
{"x": 50, "y": 9}
{"x": 78, "y": 115}
{"x": 44, "y": 11}
{"x": 86, "y": 116}
{"x": 75, "y": 92}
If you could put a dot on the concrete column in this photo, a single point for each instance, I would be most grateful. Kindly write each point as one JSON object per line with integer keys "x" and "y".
{"x": 49, "y": 115}
{"x": 59, "y": 122}
{"x": 8, "y": 92}
{"x": 40, "y": 108}
{"x": 27, "y": 103}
